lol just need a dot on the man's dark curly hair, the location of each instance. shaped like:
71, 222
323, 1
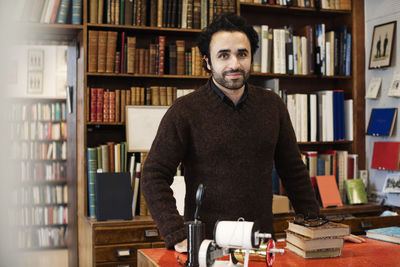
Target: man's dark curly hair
226, 22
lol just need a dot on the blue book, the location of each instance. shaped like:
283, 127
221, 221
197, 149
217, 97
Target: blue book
77, 12
381, 121
348, 55
63, 12
389, 234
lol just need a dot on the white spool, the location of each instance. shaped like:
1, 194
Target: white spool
235, 234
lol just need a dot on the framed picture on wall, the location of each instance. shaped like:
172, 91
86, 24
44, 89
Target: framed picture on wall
382, 45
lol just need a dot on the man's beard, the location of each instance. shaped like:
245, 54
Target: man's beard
231, 84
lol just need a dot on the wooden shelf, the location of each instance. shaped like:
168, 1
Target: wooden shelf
49, 32
297, 76
44, 182
126, 75
141, 28
293, 10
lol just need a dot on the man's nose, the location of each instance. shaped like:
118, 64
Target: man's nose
234, 64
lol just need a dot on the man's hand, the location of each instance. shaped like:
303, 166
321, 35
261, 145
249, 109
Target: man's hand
354, 239
181, 246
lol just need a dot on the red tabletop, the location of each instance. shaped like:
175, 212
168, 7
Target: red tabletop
370, 253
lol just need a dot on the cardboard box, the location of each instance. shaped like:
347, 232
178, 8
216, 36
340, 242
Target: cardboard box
280, 204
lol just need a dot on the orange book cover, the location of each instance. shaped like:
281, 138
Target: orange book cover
328, 191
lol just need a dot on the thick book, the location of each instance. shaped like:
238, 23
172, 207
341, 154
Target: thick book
309, 244
321, 253
328, 191
113, 196
355, 191
382, 121
386, 156
329, 229
389, 234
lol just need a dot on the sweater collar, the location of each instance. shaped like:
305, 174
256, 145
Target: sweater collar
226, 99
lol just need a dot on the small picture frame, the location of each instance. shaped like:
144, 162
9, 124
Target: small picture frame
35, 82
394, 89
35, 60
373, 88
392, 183
382, 45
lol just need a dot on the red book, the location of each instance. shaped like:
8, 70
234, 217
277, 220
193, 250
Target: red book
112, 107
386, 155
100, 101
93, 104
106, 106
54, 11
161, 54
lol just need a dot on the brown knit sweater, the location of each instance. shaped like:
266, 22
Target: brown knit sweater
231, 152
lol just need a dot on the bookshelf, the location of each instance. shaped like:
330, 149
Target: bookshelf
49, 36
38, 132
95, 133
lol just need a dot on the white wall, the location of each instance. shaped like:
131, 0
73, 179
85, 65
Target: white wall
54, 71
379, 12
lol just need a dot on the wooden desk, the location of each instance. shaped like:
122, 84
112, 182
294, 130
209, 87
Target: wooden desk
370, 253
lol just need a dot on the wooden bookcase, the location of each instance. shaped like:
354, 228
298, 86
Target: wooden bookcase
93, 244
69, 35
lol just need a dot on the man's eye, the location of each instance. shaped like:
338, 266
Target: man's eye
242, 54
223, 56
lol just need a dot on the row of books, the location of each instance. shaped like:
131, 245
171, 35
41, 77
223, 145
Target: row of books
38, 130
41, 171
44, 194
54, 150
109, 105
306, 50
186, 14
50, 11
325, 4
36, 216
339, 164
43, 237
323, 116
38, 111
114, 52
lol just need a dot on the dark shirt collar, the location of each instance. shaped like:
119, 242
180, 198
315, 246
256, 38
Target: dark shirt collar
226, 99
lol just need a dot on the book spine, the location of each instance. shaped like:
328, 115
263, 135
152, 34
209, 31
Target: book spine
93, 51
93, 104
77, 12
92, 169
63, 12
180, 57
161, 54
100, 102
112, 106
102, 52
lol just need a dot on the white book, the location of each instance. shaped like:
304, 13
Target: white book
313, 118
348, 116
44, 9
329, 116
373, 88
328, 59
304, 117
277, 51
298, 106
257, 55
49, 10
291, 106
282, 44
264, 48
394, 89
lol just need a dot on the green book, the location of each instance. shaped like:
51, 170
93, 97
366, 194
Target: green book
355, 190
91, 180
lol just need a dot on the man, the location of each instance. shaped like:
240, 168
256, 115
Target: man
227, 134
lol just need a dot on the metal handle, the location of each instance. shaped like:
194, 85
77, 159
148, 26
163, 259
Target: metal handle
125, 265
364, 225
123, 252
69, 98
151, 233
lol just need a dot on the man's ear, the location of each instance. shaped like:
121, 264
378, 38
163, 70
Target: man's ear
207, 62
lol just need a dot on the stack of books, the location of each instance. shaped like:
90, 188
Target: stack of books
324, 241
